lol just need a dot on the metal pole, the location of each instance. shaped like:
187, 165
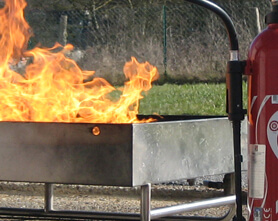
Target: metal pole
63, 30
237, 165
172, 210
165, 40
236, 114
146, 202
259, 29
48, 197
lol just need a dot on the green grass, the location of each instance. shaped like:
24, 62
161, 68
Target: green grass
192, 99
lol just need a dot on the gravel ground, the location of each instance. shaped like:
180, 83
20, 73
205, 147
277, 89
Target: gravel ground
112, 199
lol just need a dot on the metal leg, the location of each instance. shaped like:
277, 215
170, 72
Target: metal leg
48, 197
229, 184
146, 202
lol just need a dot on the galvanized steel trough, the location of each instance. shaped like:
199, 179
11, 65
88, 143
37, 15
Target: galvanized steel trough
119, 154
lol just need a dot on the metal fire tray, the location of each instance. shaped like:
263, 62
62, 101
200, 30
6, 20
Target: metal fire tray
120, 155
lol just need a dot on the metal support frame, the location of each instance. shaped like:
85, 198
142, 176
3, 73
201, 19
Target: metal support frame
146, 213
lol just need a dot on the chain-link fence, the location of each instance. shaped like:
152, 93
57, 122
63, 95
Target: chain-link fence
185, 41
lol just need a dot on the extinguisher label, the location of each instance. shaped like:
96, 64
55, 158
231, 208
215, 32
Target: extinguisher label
272, 133
257, 171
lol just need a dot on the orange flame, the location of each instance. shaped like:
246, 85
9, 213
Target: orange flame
53, 87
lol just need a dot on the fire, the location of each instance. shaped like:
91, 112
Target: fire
53, 87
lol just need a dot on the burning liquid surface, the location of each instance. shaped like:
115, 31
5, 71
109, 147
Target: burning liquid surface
53, 87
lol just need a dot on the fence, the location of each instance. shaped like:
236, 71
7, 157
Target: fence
185, 41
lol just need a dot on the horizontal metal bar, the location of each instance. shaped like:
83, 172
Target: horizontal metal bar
156, 213
172, 210
23, 212
66, 214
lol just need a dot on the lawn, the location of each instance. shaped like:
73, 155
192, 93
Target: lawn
192, 99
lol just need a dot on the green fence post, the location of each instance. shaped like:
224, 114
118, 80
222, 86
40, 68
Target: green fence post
165, 41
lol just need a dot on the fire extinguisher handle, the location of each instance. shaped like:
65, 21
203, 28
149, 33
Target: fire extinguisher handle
234, 106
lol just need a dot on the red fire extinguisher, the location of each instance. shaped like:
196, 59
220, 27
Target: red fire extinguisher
262, 71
